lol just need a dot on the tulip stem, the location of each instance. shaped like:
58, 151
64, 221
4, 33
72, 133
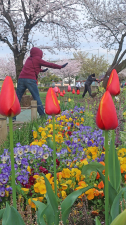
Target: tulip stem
12, 163
54, 156
113, 153
113, 158
106, 180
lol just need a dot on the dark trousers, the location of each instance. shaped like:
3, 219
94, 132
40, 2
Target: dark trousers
87, 88
31, 85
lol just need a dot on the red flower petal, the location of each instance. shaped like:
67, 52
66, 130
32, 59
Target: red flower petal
9, 103
51, 103
78, 92
73, 92
106, 118
113, 85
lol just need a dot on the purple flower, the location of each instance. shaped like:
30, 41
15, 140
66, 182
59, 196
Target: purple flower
2, 191
89, 143
4, 178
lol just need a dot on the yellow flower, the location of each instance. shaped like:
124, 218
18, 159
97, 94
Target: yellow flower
90, 194
69, 100
66, 173
6, 193
31, 203
64, 186
36, 187
82, 119
63, 193
29, 169
26, 190
40, 129
35, 134
59, 101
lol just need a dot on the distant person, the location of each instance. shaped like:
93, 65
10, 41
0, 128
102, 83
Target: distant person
29, 76
88, 83
78, 85
53, 84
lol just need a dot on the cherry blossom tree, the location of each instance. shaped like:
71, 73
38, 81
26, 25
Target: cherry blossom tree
7, 67
106, 21
70, 71
21, 19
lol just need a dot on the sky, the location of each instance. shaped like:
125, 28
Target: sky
91, 47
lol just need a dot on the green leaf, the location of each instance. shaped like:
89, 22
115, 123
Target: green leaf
112, 191
1, 213
97, 222
49, 142
117, 168
40, 206
11, 216
50, 217
120, 219
69, 201
92, 166
52, 200
115, 206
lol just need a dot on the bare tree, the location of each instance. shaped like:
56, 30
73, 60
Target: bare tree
106, 20
20, 19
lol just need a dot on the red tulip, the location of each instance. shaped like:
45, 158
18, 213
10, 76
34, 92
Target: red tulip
55, 89
57, 94
69, 88
64, 92
106, 118
51, 103
78, 92
113, 85
61, 94
9, 103
58, 90
73, 92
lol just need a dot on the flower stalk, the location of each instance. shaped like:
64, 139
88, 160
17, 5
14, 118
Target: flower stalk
106, 180
12, 163
54, 155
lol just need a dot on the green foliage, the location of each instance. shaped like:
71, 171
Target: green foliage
120, 219
47, 80
93, 166
116, 166
93, 64
11, 216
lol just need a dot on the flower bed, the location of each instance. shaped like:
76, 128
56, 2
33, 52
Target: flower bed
76, 144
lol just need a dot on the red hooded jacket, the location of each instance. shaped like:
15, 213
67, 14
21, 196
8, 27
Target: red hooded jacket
33, 64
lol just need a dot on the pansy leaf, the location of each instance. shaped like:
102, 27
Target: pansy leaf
92, 166
11, 216
69, 201
120, 219
115, 206
49, 142
114, 166
112, 191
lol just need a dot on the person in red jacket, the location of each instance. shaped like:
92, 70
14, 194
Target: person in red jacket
29, 75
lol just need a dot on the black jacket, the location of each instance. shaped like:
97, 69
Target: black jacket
90, 79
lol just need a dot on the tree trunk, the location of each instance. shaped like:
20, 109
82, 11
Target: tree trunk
118, 68
18, 64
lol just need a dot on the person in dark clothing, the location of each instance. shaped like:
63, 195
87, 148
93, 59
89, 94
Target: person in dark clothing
88, 83
29, 76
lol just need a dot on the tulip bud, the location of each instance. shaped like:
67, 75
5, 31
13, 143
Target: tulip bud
51, 103
9, 103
